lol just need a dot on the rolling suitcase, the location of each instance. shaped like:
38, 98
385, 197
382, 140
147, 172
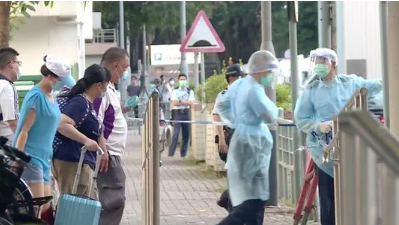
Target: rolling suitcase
75, 209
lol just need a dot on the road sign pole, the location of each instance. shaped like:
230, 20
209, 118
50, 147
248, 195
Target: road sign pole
183, 62
196, 74
203, 78
267, 44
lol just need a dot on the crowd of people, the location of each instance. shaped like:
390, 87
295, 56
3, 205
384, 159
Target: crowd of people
53, 128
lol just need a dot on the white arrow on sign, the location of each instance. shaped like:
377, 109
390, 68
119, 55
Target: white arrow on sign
202, 37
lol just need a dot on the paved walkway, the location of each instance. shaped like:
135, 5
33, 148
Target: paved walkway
188, 195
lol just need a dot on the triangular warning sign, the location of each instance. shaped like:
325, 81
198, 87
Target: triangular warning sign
202, 37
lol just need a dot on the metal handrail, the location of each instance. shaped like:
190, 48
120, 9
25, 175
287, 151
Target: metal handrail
370, 179
359, 101
104, 36
150, 163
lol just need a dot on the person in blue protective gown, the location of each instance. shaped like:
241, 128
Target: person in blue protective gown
246, 108
320, 101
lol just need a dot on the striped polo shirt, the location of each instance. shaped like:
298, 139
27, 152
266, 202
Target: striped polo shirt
115, 127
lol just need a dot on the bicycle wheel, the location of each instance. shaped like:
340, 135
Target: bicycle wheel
22, 194
21, 219
4, 221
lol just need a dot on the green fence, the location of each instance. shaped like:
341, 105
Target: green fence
26, 82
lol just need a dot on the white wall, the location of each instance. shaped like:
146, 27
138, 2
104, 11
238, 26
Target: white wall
41, 36
92, 59
362, 35
60, 8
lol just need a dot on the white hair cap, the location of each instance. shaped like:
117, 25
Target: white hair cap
261, 61
58, 66
325, 53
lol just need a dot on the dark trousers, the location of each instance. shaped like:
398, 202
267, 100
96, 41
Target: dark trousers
136, 111
225, 202
250, 212
326, 196
185, 127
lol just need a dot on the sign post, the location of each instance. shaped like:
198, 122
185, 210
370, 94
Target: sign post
202, 38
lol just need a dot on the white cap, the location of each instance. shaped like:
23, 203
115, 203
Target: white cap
58, 66
325, 53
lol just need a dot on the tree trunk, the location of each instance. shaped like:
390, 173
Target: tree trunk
4, 23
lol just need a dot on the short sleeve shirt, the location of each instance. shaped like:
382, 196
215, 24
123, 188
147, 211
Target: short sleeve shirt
9, 106
214, 111
133, 90
183, 94
85, 117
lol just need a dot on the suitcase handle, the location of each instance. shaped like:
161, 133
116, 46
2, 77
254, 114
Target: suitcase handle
100, 152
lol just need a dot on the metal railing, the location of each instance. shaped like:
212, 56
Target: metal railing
104, 36
369, 166
358, 101
150, 158
290, 164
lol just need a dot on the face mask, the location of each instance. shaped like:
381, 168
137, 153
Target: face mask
54, 83
172, 83
125, 75
102, 94
152, 86
322, 70
19, 72
182, 83
267, 80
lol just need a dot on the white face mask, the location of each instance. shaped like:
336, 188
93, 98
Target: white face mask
172, 83
19, 72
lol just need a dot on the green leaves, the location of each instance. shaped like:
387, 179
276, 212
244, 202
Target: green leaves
19, 10
213, 86
283, 96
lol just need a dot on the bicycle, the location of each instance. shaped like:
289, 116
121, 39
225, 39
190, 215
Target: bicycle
309, 188
165, 135
16, 201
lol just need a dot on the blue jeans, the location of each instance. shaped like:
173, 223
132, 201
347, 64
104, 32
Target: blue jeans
326, 195
185, 127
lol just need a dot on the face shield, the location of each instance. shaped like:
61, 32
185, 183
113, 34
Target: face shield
319, 66
320, 62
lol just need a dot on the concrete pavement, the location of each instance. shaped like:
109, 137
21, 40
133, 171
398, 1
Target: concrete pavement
188, 195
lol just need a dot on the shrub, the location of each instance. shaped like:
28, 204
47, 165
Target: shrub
283, 96
214, 84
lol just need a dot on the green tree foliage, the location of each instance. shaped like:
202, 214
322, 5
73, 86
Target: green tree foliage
160, 17
283, 96
237, 23
12, 14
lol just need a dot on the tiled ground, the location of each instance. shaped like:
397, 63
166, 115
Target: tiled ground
188, 195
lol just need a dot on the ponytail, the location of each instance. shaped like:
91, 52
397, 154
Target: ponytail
79, 88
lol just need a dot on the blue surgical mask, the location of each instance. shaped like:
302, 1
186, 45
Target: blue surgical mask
267, 80
125, 75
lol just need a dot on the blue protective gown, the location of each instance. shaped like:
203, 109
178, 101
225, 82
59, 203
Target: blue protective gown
243, 108
320, 101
